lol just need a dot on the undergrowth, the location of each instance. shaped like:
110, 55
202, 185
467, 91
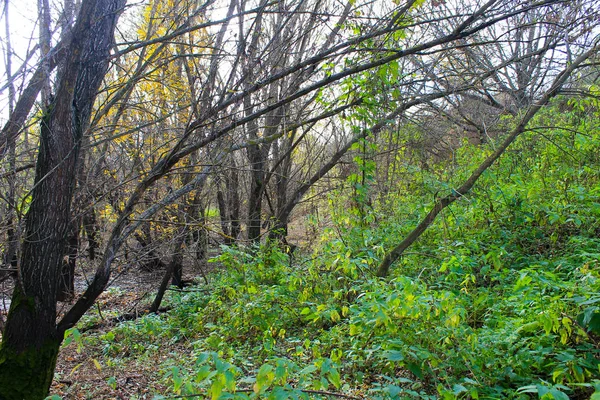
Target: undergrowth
498, 300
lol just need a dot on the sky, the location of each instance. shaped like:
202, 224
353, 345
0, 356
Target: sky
23, 36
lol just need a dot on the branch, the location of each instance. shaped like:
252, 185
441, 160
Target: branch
444, 202
17, 118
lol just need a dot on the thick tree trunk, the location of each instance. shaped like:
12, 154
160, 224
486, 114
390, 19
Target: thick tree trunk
30, 342
31, 338
28, 356
9, 260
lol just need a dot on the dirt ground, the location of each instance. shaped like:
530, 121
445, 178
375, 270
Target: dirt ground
81, 373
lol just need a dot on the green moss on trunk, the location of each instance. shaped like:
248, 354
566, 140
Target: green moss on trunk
27, 375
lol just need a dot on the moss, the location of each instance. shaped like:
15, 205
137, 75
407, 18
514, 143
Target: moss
20, 300
27, 375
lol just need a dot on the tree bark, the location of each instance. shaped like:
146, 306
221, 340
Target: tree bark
12, 237
31, 339
175, 263
66, 284
91, 232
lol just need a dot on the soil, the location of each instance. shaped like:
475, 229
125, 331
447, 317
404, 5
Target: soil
81, 370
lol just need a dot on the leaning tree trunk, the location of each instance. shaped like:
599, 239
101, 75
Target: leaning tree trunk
384, 268
31, 339
171, 270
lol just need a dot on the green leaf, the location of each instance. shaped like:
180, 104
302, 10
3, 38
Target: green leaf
280, 393
280, 371
112, 382
458, 389
415, 369
217, 387
305, 311
542, 390
308, 370
590, 319
558, 395
264, 378
202, 373
393, 391
334, 378
393, 355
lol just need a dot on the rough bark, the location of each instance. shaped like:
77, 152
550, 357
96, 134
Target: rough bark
9, 259
31, 339
91, 231
66, 284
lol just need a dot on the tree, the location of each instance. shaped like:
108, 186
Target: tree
442, 203
31, 338
185, 102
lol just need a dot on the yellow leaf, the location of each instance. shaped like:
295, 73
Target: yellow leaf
75, 368
97, 364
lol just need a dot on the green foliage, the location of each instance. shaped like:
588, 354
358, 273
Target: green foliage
498, 299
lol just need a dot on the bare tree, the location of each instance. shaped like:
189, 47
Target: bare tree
186, 100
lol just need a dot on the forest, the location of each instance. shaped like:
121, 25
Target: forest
300, 199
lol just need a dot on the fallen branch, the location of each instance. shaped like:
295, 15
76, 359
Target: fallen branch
121, 318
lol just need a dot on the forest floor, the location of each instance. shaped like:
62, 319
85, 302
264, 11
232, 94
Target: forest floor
81, 372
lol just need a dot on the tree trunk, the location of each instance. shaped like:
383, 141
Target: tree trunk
176, 263
66, 288
200, 234
384, 268
150, 260
229, 204
31, 339
234, 203
91, 230
223, 216
9, 260
29, 350
257, 175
